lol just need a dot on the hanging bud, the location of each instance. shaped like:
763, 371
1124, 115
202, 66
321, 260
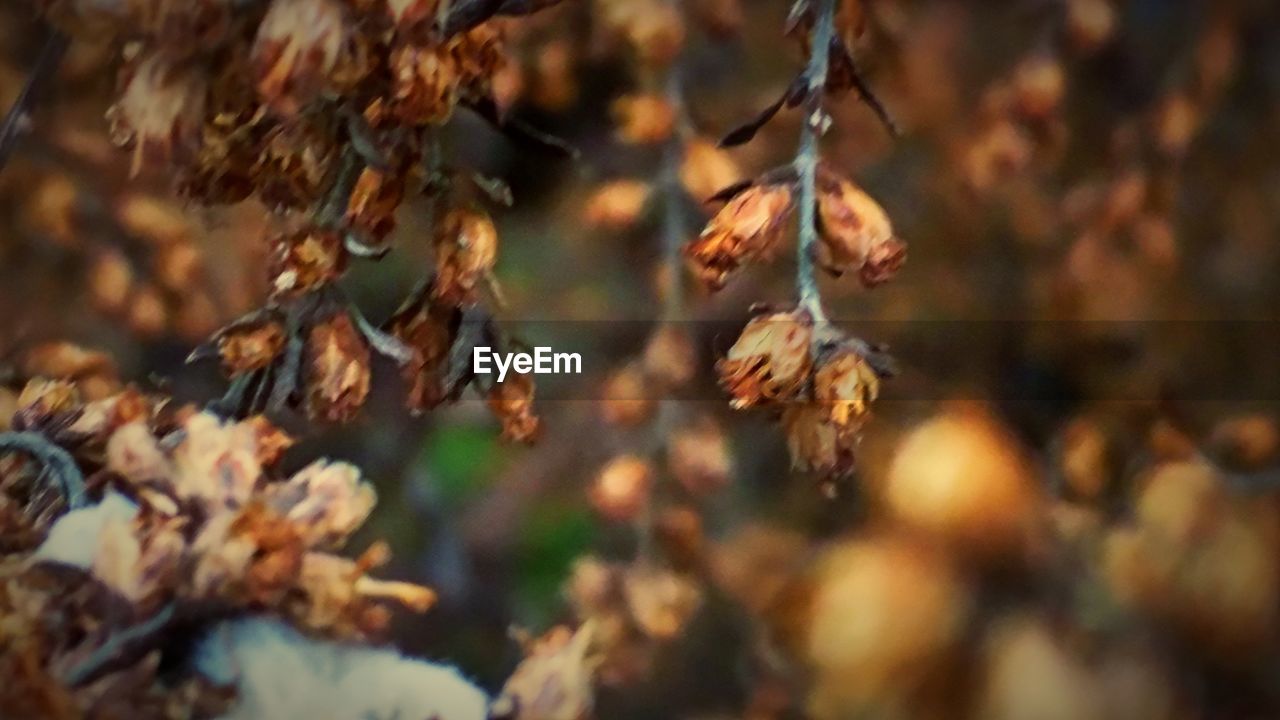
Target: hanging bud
770, 360
429, 329
337, 370
625, 398
815, 443
512, 402
670, 357
466, 250
249, 348
846, 385
554, 680
707, 169
644, 119
160, 112
745, 230
425, 88
371, 211
621, 489
698, 457
304, 260
301, 49
661, 602
855, 232
478, 55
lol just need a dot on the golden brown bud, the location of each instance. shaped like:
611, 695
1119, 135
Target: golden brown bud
302, 46
644, 119
427, 327
815, 442
617, 205
707, 169
373, 204
250, 348
698, 457
466, 250
337, 371
854, 229
670, 358
625, 397
621, 489
846, 385
304, 260
661, 601
745, 230
1090, 23
770, 360
160, 112
1039, 85
426, 84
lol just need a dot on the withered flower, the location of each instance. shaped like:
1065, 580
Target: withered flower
429, 328
426, 82
337, 372
617, 205
216, 463
251, 347
478, 56
466, 250
304, 260
512, 402
846, 384
372, 208
327, 501
160, 112
301, 47
815, 442
644, 119
293, 165
747, 229
883, 263
770, 360
854, 229
252, 556
625, 397
661, 601
1039, 84
621, 489
336, 595
670, 357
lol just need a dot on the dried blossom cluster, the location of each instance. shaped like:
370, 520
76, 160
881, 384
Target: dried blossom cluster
123, 515
328, 112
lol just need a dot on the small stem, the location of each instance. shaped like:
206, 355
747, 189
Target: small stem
806, 162
53, 458
117, 645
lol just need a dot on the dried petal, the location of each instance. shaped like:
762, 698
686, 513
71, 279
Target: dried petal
338, 371
745, 230
770, 360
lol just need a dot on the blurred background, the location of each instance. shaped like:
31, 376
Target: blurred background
1066, 503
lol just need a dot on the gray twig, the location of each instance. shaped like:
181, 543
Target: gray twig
806, 162
18, 119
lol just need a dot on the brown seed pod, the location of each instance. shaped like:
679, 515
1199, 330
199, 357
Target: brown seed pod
846, 385
466, 250
426, 81
302, 48
770, 361
429, 328
661, 601
512, 402
371, 211
617, 205
815, 442
337, 372
160, 111
747, 229
249, 348
1039, 85
698, 457
625, 397
670, 358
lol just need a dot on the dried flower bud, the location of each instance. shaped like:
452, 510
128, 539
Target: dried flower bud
621, 489
770, 360
670, 358
883, 263
426, 84
292, 168
661, 602
707, 169
816, 443
337, 370
478, 55
304, 260
698, 457
429, 329
625, 397
999, 152
216, 463
644, 119
466, 250
1090, 23
617, 205
160, 112
846, 385
512, 402
747, 229
554, 680
853, 227
249, 348
301, 47
371, 211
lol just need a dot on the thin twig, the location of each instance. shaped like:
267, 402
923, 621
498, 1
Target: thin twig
117, 644
18, 119
53, 458
806, 162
